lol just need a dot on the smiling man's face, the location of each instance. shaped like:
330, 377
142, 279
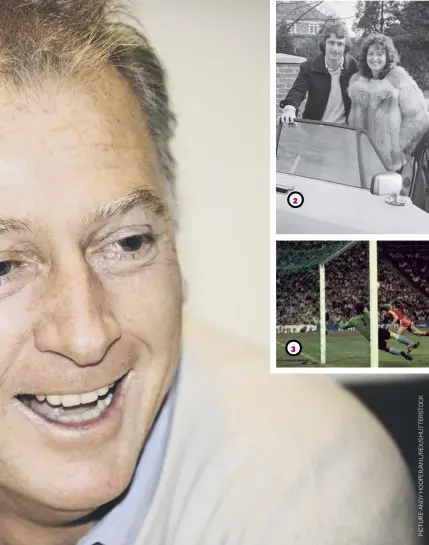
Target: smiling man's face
90, 296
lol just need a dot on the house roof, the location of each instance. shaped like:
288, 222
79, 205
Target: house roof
294, 9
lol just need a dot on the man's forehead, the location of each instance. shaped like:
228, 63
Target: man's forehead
333, 36
81, 147
104, 110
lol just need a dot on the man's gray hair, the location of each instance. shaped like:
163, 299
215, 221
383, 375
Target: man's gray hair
72, 39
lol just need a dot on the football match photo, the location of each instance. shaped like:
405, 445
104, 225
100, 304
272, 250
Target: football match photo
352, 304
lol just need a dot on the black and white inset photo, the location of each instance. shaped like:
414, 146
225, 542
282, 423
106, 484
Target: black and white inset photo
352, 118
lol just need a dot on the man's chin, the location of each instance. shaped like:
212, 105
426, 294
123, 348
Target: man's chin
68, 499
86, 495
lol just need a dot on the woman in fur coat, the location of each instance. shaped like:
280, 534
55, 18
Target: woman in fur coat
387, 102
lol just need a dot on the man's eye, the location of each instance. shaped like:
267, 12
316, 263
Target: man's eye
134, 247
5, 267
11, 271
133, 243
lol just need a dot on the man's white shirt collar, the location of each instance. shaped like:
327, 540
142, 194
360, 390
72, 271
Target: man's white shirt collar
330, 70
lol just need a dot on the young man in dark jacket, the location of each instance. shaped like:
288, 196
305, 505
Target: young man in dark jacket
324, 80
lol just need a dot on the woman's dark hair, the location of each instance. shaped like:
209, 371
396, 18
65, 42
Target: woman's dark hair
382, 42
340, 31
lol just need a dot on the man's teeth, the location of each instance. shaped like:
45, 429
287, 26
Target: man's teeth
90, 414
74, 400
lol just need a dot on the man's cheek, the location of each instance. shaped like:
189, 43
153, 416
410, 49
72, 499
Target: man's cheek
153, 301
16, 329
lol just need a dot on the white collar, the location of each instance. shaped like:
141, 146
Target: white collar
334, 71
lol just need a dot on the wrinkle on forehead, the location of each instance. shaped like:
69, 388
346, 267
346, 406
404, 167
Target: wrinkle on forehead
93, 137
68, 121
104, 113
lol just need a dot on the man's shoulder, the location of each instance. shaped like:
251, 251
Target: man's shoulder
305, 66
275, 406
304, 441
317, 63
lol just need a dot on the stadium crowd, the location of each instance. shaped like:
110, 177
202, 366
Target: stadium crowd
414, 266
347, 282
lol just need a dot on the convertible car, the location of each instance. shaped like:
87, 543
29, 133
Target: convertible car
345, 183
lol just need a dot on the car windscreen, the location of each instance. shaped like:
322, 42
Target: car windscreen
323, 152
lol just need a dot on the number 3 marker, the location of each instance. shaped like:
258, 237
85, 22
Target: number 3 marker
293, 348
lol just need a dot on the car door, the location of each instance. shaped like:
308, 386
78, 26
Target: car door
333, 171
419, 184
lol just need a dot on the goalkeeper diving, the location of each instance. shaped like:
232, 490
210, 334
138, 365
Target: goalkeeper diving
361, 322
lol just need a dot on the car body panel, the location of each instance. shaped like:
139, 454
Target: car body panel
331, 208
336, 208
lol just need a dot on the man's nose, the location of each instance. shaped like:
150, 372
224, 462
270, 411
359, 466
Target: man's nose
75, 320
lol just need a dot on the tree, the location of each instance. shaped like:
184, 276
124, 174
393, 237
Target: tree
284, 42
377, 16
360, 8
296, 14
370, 20
412, 41
414, 27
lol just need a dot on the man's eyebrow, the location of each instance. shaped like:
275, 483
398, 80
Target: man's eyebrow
139, 198
19, 226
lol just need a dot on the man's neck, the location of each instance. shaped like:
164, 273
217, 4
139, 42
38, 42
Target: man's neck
334, 65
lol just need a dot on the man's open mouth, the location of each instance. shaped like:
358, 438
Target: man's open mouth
72, 409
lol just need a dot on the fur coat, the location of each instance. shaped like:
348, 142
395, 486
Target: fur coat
394, 112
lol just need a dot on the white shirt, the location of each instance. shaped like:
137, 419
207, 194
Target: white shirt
335, 111
121, 526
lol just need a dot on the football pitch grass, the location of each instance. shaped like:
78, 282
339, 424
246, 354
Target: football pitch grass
347, 349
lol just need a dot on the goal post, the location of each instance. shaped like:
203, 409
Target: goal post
322, 292
373, 301
322, 296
